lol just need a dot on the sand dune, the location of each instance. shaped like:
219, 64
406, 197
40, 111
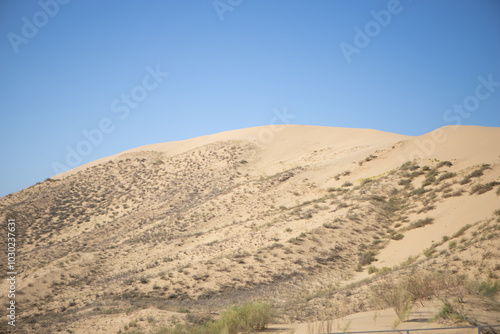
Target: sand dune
282, 213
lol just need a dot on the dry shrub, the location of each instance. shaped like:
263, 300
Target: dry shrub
367, 258
421, 222
482, 188
454, 311
416, 288
396, 296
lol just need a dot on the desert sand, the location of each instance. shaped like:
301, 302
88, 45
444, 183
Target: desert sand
161, 233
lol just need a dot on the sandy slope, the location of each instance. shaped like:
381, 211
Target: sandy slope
465, 146
247, 215
450, 217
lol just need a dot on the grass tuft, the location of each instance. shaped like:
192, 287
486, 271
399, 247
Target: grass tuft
246, 318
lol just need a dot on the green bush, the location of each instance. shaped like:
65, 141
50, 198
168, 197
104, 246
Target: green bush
247, 318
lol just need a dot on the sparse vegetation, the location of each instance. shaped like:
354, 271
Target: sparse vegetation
224, 238
428, 252
396, 296
465, 180
485, 289
330, 226
482, 188
416, 287
365, 181
247, 318
419, 191
398, 236
447, 175
461, 231
421, 222
367, 258
409, 165
478, 172
453, 311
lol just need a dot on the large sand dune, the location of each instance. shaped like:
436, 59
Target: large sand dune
288, 214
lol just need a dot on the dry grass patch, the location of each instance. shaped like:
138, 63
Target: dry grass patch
482, 188
421, 223
246, 318
417, 287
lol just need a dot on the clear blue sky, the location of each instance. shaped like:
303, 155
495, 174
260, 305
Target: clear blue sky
70, 66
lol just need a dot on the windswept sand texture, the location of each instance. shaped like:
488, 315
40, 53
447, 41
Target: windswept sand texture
178, 231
